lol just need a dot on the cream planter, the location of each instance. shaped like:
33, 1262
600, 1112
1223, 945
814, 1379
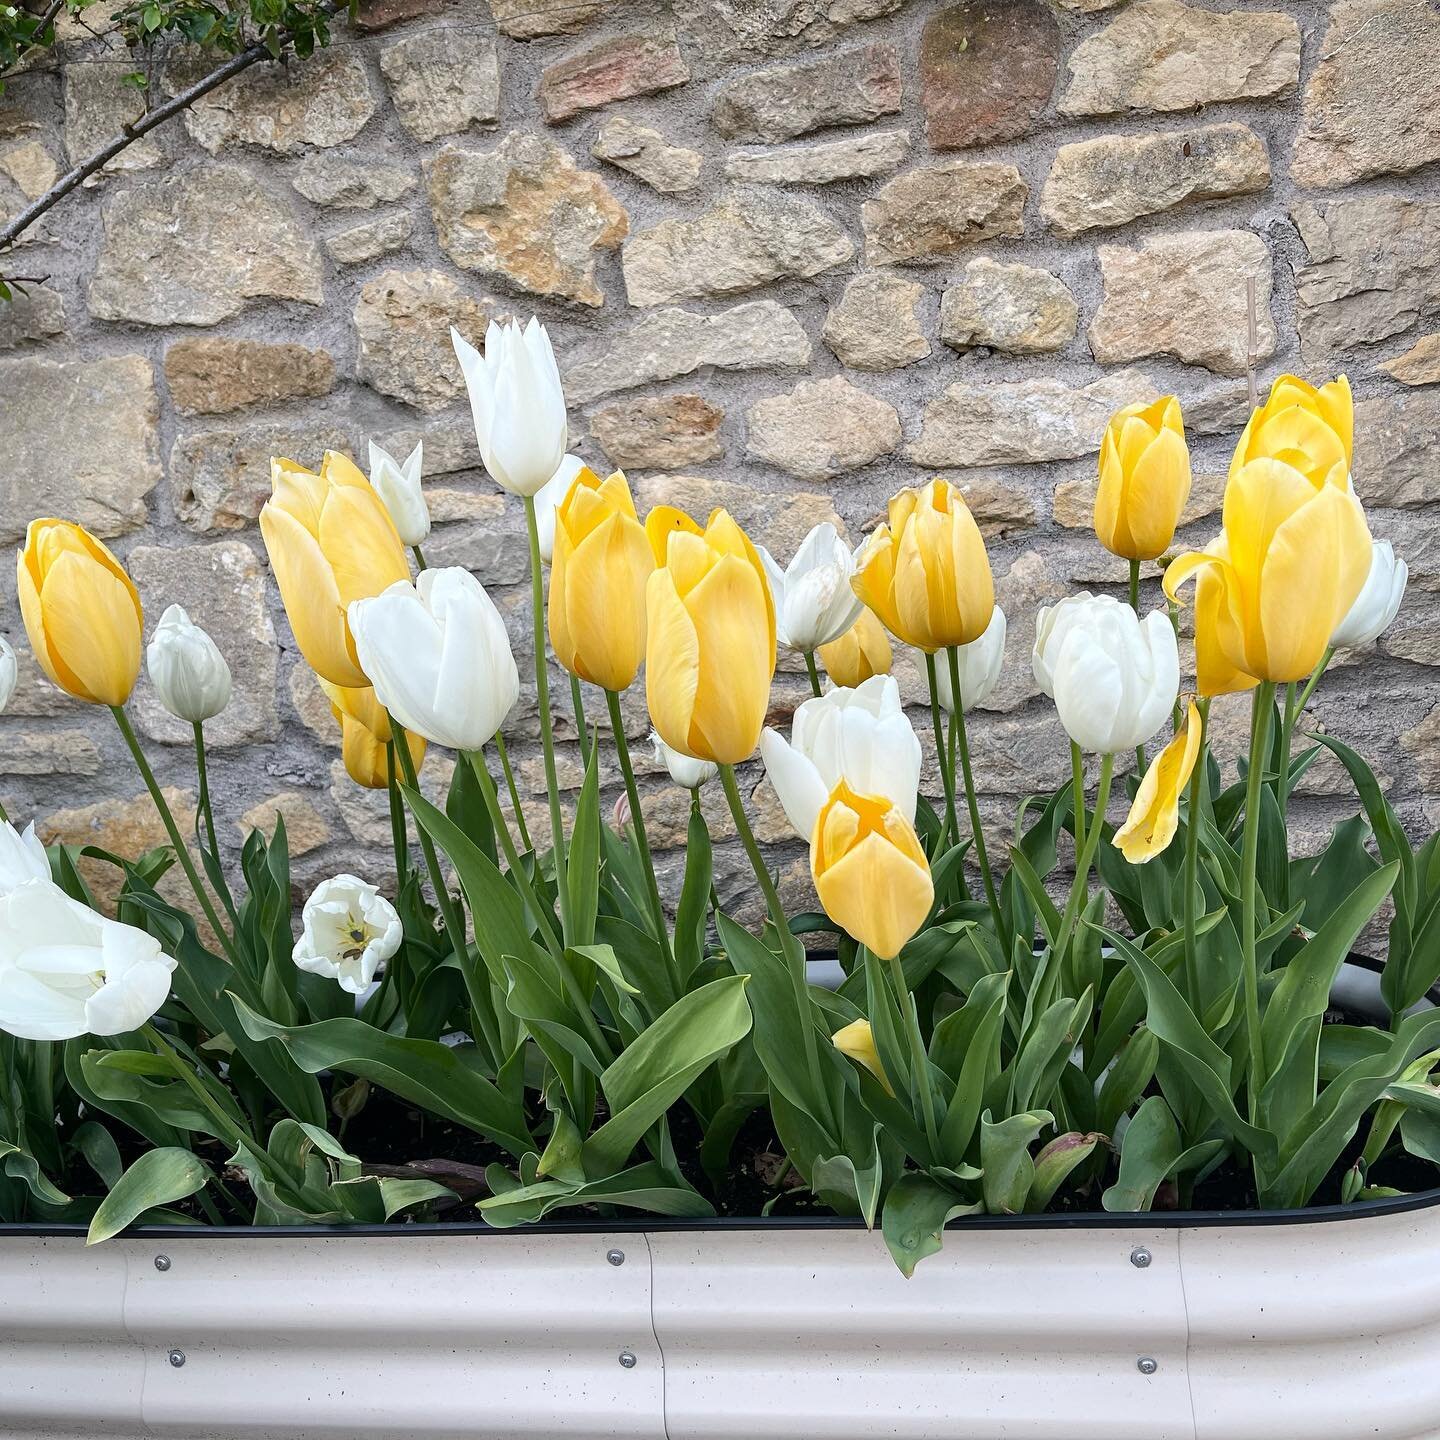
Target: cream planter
1321, 1324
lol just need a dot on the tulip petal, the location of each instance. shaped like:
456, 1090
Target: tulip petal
729, 608
877, 894
796, 781
91, 620
1155, 814
604, 599
662, 522
672, 662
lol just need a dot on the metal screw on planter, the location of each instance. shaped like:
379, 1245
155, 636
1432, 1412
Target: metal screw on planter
627, 1359
1146, 1366
162, 1263
616, 1257
177, 1358
1140, 1257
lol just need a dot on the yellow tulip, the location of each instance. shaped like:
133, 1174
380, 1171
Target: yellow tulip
860, 653
601, 563
925, 572
710, 644
1155, 815
1312, 430
81, 612
1144, 480
869, 870
364, 734
1293, 555
330, 540
857, 1040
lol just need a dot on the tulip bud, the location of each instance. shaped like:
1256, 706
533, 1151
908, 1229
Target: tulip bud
9, 673
187, 669
67, 971
347, 928
331, 541
399, 487
1144, 480
22, 857
1292, 559
869, 870
710, 641
1311, 429
517, 404
81, 612
365, 734
862, 651
598, 575
980, 663
925, 572
1377, 603
439, 657
684, 770
814, 603
1155, 814
620, 813
1114, 676
857, 1040
860, 736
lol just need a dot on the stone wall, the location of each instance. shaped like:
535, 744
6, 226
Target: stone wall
794, 254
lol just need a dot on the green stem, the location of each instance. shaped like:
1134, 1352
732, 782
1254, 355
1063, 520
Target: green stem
1077, 795
947, 773
207, 815
521, 827
972, 800
4, 818
642, 840
547, 729
577, 705
1192, 852
813, 673
232, 1131
182, 854
419, 557
1294, 709
1261, 708
919, 1060
793, 951
1080, 886
397, 816
1134, 598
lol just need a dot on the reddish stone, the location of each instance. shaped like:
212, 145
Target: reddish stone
613, 70
987, 70
374, 15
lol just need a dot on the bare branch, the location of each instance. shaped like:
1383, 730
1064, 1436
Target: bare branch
1253, 353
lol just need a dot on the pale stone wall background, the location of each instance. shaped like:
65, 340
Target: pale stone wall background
793, 254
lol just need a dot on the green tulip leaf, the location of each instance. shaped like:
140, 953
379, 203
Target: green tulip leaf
917, 1210
1009, 1169
1054, 1164
158, 1177
648, 1187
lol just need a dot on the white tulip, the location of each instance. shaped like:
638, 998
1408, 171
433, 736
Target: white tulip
66, 970
1378, 601
347, 929
980, 664
1052, 624
9, 672
814, 603
399, 487
547, 502
684, 769
1115, 676
861, 736
438, 656
22, 857
517, 403
187, 669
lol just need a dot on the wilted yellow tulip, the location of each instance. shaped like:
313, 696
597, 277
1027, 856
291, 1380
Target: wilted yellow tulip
1292, 557
81, 612
710, 644
364, 735
1144, 480
869, 870
857, 1040
1312, 430
602, 560
860, 653
1155, 815
330, 540
925, 572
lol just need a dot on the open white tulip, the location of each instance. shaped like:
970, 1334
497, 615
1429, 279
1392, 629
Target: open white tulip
399, 487
66, 970
1115, 676
517, 403
22, 857
438, 656
548, 499
980, 665
684, 769
187, 669
9, 672
814, 603
347, 928
861, 736
1377, 604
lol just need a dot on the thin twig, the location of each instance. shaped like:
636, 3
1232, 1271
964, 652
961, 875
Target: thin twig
47, 19
1253, 353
